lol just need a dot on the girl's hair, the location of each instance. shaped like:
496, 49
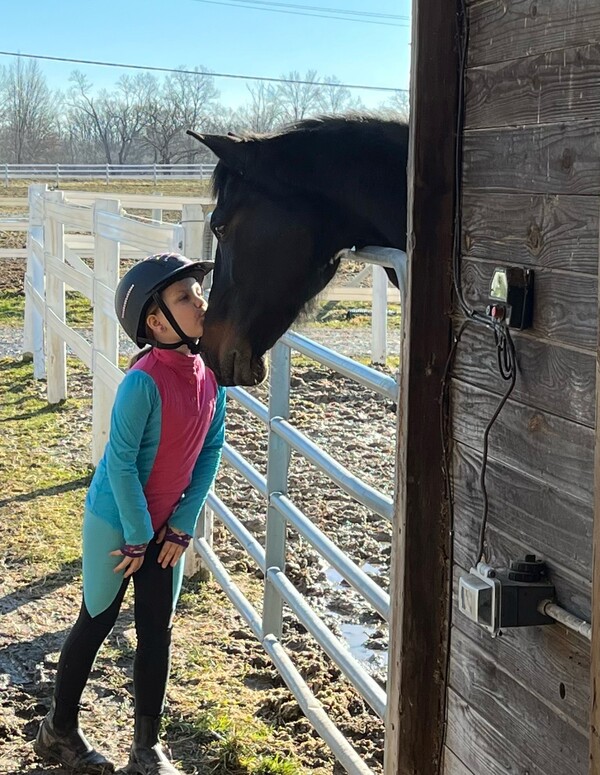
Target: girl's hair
152, 310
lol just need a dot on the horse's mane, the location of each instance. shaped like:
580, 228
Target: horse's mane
347, 125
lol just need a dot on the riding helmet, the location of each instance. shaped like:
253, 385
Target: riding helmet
143, 282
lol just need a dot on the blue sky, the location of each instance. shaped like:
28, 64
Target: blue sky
220, 37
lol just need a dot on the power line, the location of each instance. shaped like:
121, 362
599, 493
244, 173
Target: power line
197, 72
236, 4
322, 9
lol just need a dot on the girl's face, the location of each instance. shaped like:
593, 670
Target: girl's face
187, 305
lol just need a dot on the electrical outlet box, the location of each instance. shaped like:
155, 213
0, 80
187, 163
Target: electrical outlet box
511, 296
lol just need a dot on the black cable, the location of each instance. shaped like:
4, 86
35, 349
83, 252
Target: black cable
154, 69
318, 15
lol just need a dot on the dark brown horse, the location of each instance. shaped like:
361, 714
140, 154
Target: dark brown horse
287, 204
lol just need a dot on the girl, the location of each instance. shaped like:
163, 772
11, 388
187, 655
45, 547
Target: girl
164, 448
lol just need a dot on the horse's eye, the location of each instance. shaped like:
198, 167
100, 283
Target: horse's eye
219, 231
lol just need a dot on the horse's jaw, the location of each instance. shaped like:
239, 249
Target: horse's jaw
239, 368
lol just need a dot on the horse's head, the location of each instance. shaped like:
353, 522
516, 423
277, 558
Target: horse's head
287, 204
273, 257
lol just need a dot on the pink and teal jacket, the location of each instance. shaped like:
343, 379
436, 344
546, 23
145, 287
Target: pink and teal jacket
166, 436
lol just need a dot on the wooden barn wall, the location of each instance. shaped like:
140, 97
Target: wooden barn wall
531, 196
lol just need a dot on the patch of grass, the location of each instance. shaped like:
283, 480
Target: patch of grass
166, 187
12, 305
42, 497
12, 308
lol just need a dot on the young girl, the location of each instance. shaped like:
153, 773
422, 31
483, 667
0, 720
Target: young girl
166, 436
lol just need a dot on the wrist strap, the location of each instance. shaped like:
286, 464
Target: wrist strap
134, 550
182, 539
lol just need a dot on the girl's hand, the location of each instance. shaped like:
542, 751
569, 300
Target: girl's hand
171, 551
128, 564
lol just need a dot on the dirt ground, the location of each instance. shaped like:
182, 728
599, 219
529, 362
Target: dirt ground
38, 607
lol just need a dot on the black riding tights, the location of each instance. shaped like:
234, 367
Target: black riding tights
153, 610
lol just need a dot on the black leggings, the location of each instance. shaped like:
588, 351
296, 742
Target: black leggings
153, 609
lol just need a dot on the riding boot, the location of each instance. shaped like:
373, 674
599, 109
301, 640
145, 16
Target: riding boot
69, 747
146, 756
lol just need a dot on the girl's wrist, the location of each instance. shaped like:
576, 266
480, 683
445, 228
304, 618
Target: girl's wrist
177, 537
134, 550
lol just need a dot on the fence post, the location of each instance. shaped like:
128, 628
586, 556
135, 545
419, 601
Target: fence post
6, 176
57, 175
33, 323
192, 220
56, 349
277, 475
107, 179
157, 213
106, 329
379, 317
208, 243
154, 172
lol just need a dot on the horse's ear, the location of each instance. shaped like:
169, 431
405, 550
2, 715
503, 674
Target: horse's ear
232, 151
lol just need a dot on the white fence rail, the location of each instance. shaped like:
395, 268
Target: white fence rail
51, 267
105, 172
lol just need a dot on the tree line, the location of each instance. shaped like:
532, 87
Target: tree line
142, 119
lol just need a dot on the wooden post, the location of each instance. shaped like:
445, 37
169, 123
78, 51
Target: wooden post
419, 572
56, 349
595, 647
106, 329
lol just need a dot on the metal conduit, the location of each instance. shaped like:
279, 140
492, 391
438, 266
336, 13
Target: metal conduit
358, 676
568, 620
311, 707
363, 583
352, 485
369, 378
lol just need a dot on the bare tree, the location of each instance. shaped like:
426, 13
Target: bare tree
263, 111
28, 113
398, 105
335, 98
299, 100
185, 101
95, 111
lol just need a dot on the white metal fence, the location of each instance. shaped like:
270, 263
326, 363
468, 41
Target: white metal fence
105, 172
54, 264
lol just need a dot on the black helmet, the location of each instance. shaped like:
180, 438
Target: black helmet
143, 284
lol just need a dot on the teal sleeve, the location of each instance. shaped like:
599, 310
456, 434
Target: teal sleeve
193, 499
136, 400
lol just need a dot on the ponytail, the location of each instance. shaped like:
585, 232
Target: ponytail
135, 358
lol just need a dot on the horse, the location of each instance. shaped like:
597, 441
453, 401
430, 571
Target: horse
288, 204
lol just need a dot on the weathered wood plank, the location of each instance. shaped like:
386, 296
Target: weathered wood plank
508, 29
564, 304
554, 86
558, 379
480, 746
540, 517
552, 159
419, 569
453, 765
595, 666
558, 232
517, 713
550, 660
555, 451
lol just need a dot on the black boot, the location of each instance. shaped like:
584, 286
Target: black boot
69, 748
147, 756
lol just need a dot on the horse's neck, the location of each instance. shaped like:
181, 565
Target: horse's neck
367, 186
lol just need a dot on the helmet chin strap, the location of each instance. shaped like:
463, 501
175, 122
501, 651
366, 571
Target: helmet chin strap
192, 344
